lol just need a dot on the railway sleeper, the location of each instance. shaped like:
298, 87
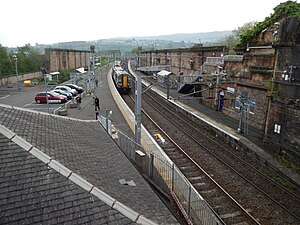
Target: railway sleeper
192, 174
234, 218
185, 169
208, 191
178, 157
215, 200
195, 179
182, 163
241, 223
199, 184
230, 215
173, 153
236, 221
169, 150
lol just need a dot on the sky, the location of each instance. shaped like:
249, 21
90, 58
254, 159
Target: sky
52, 21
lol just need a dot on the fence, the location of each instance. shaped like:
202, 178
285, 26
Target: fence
169, 179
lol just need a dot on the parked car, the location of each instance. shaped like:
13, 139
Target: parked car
76, 87
65, 93
53, 97
66, 88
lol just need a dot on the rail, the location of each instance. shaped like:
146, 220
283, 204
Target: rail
168, 178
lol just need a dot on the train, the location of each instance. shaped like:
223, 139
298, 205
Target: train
121, 78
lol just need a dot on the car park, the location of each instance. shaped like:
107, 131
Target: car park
65, 93
76, 87
41, 97
66, 88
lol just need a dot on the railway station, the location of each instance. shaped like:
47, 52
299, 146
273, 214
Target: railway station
112, 107
118, 165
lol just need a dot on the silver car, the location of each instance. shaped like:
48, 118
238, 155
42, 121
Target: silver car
66, 88
65, 93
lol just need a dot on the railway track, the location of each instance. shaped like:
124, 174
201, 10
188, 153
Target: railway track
207, 162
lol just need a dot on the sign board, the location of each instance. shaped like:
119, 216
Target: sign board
230, 90
251, 107
252, 104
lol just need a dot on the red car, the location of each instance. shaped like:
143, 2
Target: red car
53, 97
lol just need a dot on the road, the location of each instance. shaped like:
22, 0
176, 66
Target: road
25, 97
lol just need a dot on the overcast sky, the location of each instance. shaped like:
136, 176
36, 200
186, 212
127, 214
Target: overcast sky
52, 21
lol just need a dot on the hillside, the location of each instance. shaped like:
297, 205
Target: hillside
190, 37
148, 42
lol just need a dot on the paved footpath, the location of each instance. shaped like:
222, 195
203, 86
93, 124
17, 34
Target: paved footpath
87, 111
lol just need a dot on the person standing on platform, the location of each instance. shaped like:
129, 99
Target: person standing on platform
97, 104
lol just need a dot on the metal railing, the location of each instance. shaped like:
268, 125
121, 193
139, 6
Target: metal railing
64, 106
233, 58
214, 61
168, 177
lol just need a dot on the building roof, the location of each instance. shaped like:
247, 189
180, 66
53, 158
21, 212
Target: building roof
55, 169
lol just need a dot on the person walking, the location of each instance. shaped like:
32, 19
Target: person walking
78, 100
97, 104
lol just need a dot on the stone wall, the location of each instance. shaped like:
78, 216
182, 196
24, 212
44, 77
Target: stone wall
283, 128
13, 79
56, 59
257, 115
182, 61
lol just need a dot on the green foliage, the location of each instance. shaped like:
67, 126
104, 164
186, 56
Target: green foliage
28, 60
64, 75
283, 10
233, 39
6, 63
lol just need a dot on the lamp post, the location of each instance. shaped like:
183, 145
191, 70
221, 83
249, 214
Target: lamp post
92, 48
15, 58
44, 71
138, 106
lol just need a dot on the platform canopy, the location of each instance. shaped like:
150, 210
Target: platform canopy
80, 70
164, 73
55, 73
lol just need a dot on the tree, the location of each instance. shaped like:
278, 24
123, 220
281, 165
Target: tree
283, 10
232, 40
6, 64
28, 59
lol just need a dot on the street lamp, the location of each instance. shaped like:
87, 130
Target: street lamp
92, 48
15, 58
44, 71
